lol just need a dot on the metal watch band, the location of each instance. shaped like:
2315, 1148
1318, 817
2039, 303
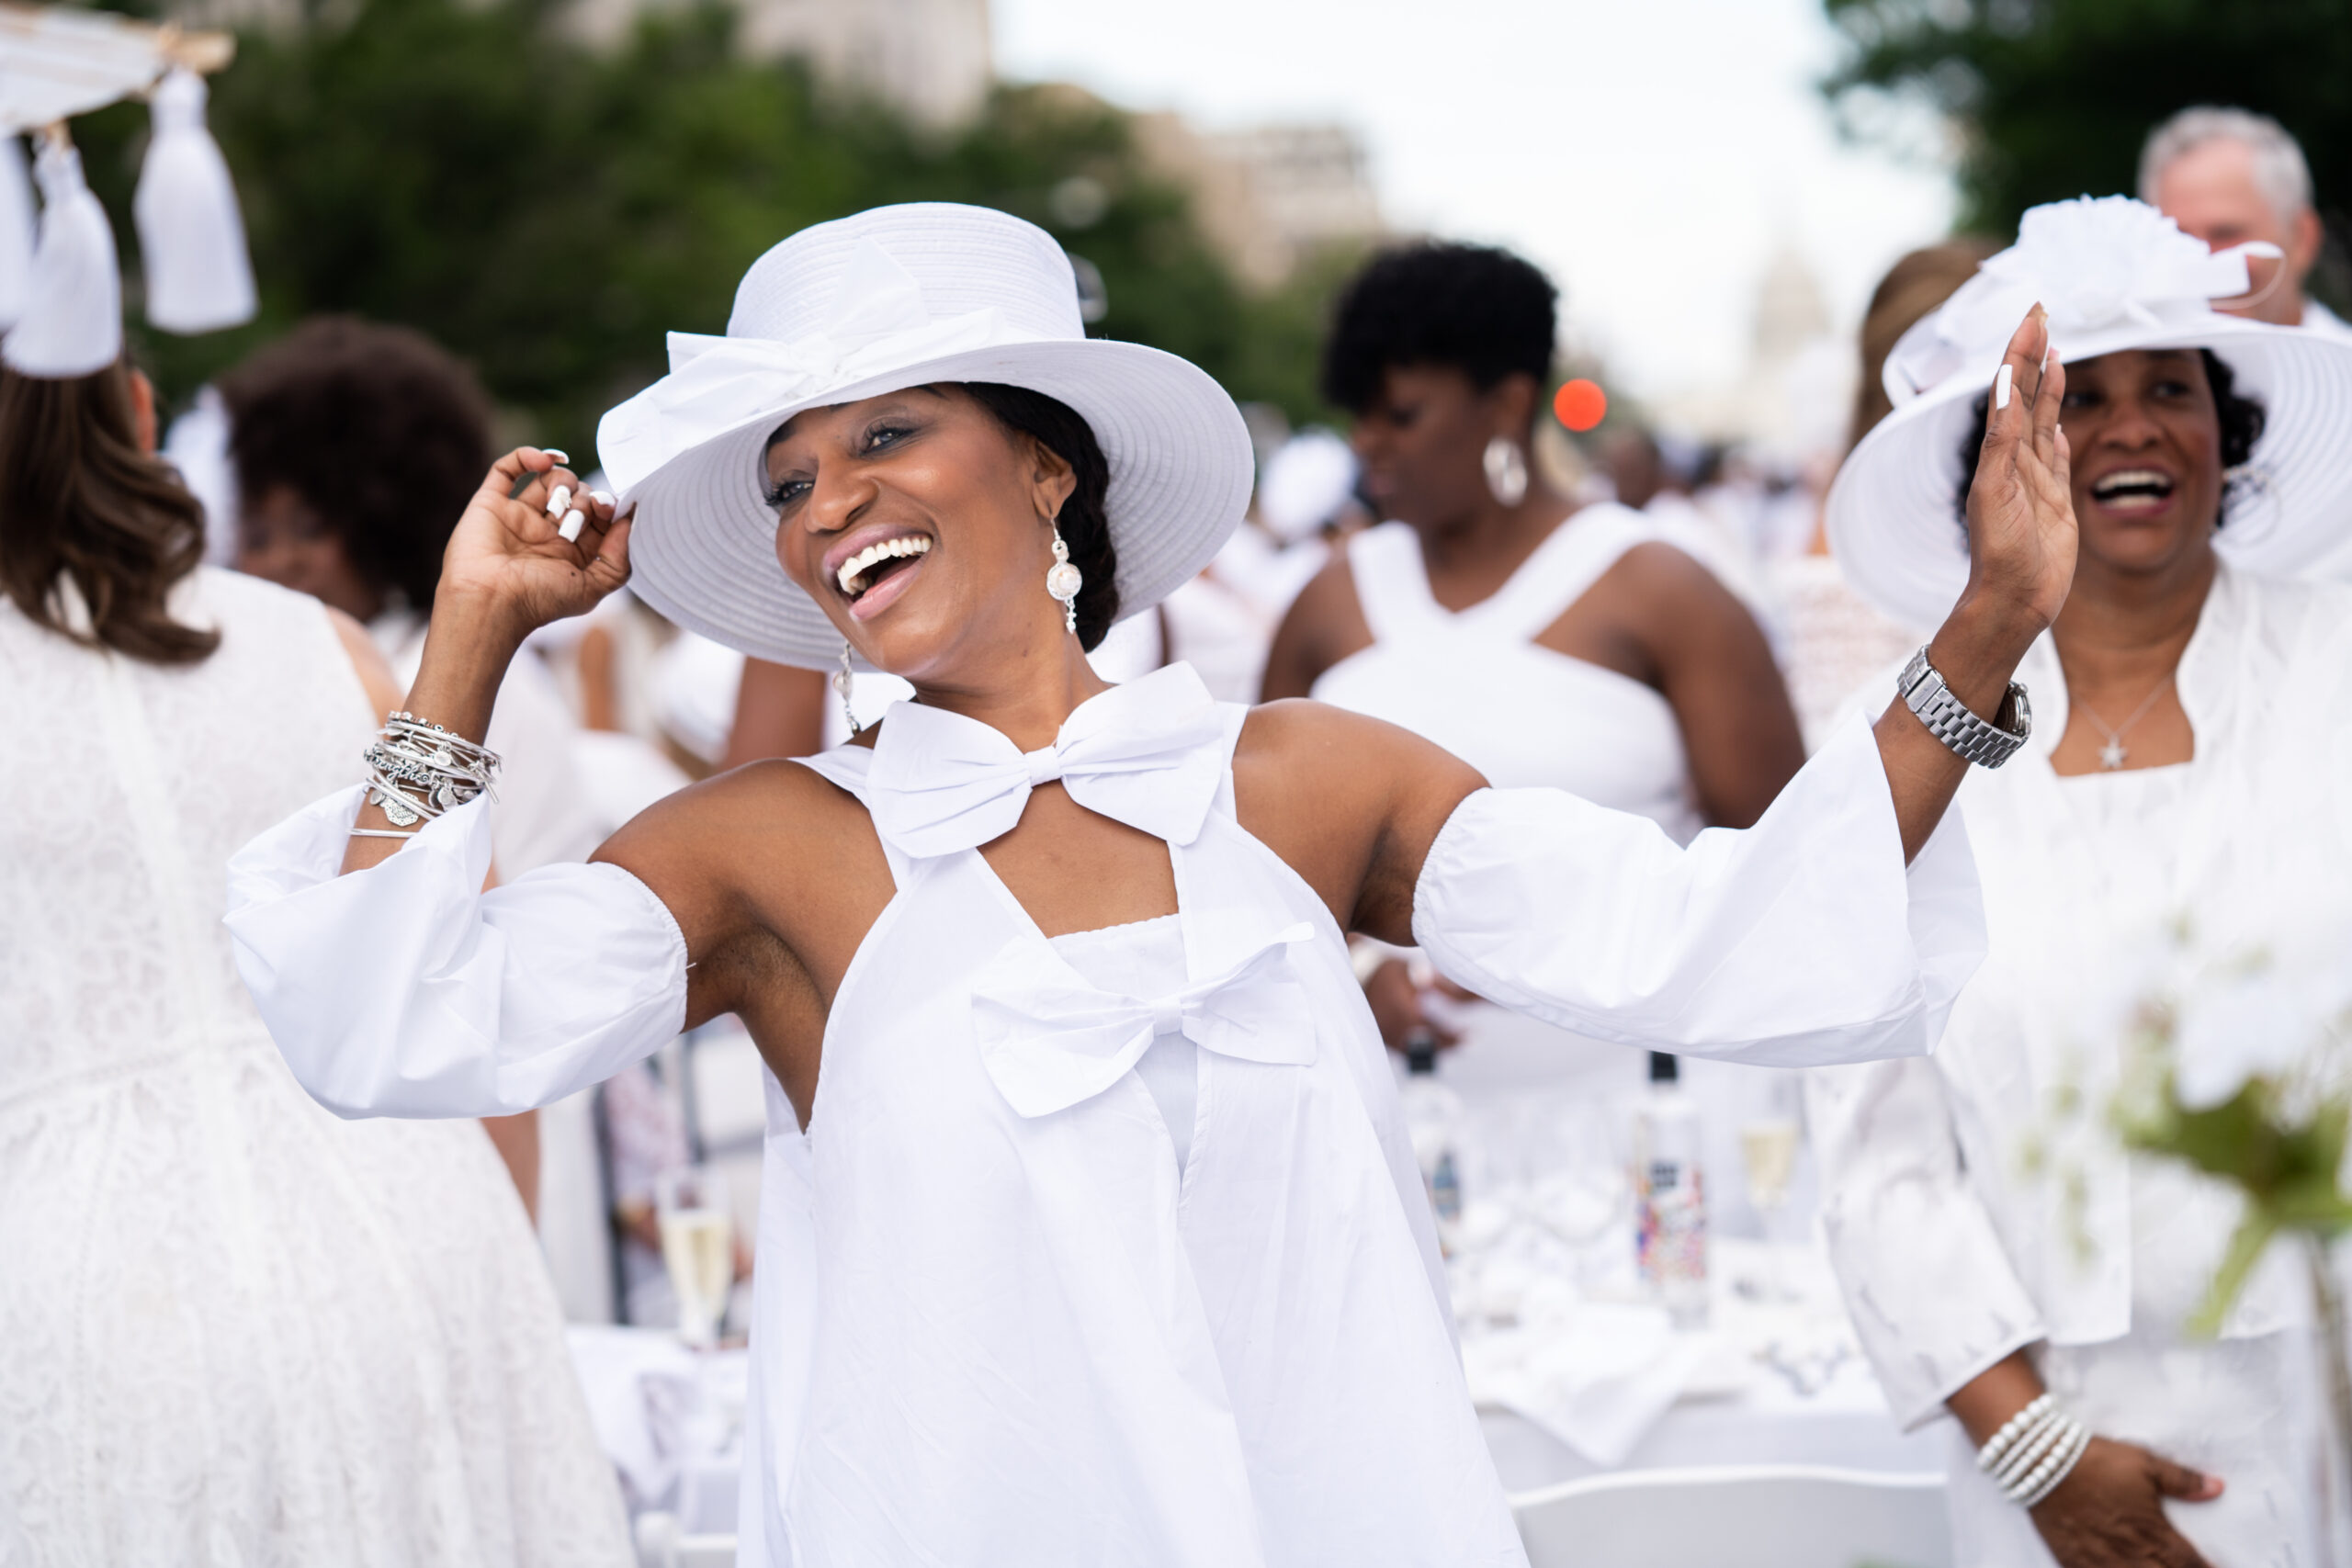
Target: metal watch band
1950, 721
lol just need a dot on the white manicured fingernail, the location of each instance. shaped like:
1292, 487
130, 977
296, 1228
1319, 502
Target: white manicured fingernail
2001, 386
569, 529
604, 497
558, 453
560, 500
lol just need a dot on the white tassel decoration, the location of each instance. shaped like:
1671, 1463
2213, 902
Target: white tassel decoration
71, 323
16, 223
199, 277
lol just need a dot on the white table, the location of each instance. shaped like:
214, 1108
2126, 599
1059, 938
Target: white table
672, 1420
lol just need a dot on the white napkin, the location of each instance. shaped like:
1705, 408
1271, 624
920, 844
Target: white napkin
1596, 1375
638, 1383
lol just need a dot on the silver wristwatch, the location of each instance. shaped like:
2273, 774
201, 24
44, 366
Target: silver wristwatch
1948, 720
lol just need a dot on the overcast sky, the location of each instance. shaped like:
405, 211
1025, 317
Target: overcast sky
1653, 155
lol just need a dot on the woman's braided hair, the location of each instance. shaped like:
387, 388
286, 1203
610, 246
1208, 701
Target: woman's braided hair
1085, 525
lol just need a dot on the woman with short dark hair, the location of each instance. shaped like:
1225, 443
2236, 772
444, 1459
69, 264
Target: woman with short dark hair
1542, 642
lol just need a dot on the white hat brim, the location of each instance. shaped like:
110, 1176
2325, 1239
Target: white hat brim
1892, 516
702, 544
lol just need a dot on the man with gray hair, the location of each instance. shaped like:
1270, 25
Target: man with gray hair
2229, 175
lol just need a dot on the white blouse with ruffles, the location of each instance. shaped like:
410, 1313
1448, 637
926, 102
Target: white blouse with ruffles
1003, 1316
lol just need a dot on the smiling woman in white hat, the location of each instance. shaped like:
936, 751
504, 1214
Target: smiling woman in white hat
2194, 728
1104, 1242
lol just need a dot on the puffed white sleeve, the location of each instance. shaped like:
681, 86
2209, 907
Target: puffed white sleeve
405, 990
1799, 941
1930, 1290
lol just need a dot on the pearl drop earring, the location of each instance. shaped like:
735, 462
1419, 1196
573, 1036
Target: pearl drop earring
842, 681
1063, 581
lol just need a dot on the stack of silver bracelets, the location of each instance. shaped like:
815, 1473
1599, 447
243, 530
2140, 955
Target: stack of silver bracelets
2033, 1452
417, 770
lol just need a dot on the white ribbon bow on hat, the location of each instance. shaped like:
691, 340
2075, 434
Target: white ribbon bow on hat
1144, 753
877, 323
2096, 265
1050, 1039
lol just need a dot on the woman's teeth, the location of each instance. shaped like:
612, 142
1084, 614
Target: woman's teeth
852, 570
2132, 482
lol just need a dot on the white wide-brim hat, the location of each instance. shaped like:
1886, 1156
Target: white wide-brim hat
894, 297
2114, 273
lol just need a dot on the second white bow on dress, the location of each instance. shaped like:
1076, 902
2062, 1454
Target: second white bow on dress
1050, 1039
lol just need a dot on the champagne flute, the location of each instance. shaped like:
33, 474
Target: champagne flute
1767, 1158
697, 1248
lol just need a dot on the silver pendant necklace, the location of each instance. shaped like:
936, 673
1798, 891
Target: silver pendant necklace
2111, 755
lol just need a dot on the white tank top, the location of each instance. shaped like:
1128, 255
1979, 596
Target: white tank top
1477, 683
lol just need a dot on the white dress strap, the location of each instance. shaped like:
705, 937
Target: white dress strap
845, 767
1569, 560
1392, 583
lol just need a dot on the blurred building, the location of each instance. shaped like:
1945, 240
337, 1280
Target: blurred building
1791, 398
929, 58
1271, 197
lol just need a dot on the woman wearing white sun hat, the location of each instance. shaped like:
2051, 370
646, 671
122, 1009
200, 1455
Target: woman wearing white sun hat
1104, 1246
2194, 722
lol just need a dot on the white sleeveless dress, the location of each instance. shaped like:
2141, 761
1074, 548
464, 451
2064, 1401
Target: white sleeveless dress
1475, 682
1005, 1313
234, 1330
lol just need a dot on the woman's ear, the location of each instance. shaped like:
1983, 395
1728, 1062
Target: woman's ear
1513, 400
143, 410
1051, 479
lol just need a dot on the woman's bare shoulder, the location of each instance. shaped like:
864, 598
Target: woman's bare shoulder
1314, 757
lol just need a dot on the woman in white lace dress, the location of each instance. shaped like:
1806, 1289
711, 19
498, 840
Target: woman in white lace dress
236, 1330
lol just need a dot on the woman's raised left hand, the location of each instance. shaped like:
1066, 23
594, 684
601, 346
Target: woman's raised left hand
2022, 532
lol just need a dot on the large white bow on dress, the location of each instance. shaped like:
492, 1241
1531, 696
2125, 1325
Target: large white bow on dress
1050, 1039
1144, 753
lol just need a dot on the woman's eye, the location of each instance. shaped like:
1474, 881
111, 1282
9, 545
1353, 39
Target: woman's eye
2172, 389
883, 436
2078, 400
784, 492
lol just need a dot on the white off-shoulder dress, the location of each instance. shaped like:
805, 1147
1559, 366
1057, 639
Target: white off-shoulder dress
999, 1319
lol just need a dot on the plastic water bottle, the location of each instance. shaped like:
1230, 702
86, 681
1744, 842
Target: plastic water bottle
1434, 1121
1670, 1193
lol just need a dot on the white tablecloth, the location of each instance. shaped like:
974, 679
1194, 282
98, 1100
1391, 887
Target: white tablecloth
671, 1420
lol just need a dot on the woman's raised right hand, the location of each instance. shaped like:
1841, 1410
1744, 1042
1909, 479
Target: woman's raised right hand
508, 560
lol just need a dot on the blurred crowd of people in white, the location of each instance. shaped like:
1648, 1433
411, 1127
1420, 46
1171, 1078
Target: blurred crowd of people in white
1655, 624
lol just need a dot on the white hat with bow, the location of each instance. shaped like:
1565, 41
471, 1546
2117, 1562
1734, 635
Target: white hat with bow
2114, 273
894, 297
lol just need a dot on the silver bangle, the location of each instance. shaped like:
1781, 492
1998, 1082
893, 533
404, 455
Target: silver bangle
1948, 719
385, 832
417, 771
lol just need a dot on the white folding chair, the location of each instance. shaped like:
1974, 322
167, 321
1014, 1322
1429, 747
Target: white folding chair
660, 1544
1738, 1516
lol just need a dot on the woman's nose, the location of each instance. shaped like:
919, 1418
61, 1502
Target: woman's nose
836, 498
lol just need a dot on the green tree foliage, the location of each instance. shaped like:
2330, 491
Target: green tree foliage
547, 212
2055, 97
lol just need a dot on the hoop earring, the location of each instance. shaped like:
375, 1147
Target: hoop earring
843, 680
1063, 581
1506, 467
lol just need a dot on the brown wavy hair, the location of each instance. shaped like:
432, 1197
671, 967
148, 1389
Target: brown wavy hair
81, 499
